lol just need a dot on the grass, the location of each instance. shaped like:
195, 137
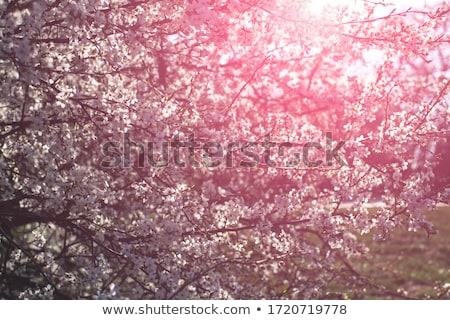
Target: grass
411, 264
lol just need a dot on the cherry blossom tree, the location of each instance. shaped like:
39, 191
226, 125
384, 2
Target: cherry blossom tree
284, 119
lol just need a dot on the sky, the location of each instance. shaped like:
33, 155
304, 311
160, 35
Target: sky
318, 5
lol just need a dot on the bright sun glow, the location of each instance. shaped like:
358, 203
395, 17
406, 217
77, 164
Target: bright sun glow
318, 6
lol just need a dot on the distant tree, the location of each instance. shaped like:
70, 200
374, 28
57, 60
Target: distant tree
89, 87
